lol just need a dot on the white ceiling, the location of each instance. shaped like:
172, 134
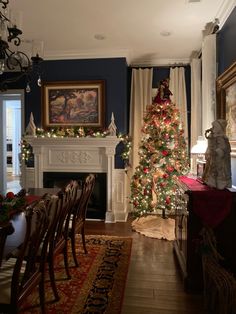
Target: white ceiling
131, 28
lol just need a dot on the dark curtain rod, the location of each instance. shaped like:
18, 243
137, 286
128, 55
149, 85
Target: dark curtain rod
160, 66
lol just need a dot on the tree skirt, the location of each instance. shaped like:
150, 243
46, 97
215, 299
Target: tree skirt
155, 227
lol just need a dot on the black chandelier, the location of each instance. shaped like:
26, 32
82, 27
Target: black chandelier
16, 61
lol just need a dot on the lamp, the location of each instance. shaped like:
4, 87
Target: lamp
11, 59
198, 152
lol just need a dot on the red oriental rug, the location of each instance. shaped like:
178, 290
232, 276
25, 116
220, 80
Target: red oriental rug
96, 286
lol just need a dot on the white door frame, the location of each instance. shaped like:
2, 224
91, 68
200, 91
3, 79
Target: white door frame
8, 95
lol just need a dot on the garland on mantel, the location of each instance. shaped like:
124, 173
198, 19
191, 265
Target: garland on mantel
71, 132
79, 132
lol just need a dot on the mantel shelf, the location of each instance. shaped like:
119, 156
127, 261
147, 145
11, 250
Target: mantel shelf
109, 141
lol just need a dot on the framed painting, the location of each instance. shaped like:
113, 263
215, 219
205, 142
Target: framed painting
71, 104
226, 102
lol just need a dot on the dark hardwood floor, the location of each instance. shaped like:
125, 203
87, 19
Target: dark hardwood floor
154, 284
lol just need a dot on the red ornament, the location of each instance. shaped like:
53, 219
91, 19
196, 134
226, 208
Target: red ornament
167, 200
164, 152
10, 195
170, 169
164, 115
145, 170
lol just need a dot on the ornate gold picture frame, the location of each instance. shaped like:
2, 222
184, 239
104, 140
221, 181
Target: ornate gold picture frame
70, 104
226, 102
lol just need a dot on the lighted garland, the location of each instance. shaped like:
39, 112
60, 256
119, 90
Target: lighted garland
78, 132
71, 132
127, 146
26, 152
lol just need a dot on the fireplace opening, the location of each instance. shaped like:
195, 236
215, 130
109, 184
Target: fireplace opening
97, 204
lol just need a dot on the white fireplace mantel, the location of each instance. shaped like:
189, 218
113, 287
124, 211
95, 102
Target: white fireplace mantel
85, 154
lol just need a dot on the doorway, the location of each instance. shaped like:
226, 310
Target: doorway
12, 126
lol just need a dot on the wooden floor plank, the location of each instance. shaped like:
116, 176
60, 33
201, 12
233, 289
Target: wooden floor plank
154, 284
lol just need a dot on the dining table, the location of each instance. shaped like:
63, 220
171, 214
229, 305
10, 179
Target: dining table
18, 220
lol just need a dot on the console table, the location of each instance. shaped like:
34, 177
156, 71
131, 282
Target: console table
198, 205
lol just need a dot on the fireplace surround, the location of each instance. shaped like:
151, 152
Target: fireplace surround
77, 156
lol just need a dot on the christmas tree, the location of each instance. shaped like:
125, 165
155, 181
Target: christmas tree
162, 157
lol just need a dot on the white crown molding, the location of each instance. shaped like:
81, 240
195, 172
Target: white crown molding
124, 53
225, 11
96, 54
68, 55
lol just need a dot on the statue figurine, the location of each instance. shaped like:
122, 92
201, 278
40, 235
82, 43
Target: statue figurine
217, 172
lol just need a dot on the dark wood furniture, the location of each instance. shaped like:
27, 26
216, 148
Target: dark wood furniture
5, 230
42, 191
19, 276
59, 209
77, 223
17, 236
197, 206
18, 221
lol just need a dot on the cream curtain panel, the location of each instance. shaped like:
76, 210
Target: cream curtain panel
141, 96
196, 101
178, 88
196, 109
208, 81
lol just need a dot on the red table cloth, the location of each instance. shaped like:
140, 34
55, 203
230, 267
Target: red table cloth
210, 204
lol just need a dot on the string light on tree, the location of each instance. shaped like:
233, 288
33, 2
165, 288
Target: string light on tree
162, 157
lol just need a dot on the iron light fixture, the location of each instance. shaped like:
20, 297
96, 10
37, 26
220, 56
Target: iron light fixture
14, 60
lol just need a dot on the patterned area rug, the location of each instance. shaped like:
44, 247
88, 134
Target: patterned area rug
97, 285
155, 227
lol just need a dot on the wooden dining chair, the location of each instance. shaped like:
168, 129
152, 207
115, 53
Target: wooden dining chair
20, 275
56, 239
78, 216
5, 230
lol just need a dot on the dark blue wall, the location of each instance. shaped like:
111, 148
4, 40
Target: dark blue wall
226, 43
113, 71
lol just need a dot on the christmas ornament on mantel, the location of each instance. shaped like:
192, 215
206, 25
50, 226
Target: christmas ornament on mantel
162, 157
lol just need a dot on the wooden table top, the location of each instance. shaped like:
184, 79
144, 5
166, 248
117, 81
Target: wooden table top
42, 191
19, 223
17, 237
